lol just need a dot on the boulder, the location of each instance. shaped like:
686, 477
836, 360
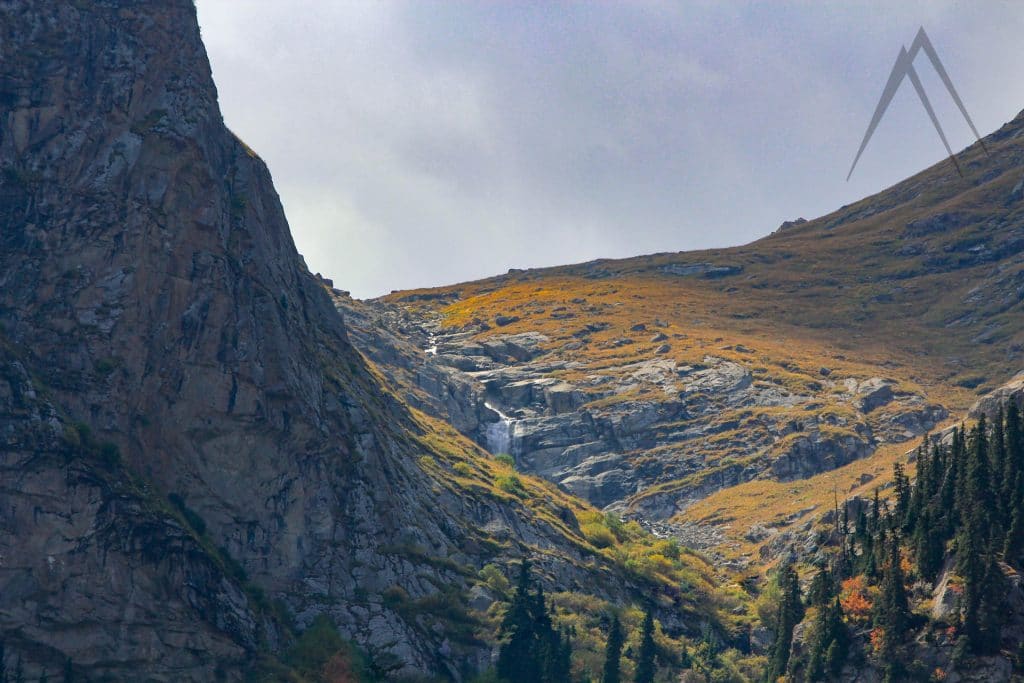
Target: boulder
874, 393
990, 403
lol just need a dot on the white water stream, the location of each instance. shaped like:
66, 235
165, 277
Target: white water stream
499, 434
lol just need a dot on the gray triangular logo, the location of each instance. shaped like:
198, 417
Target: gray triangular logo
904, 68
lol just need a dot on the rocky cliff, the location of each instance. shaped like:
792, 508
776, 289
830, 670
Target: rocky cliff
194, 458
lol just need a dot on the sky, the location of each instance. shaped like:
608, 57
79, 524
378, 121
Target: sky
425, 143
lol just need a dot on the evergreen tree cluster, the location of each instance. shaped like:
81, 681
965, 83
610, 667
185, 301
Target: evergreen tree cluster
534, 651
646, 666
969, 497
967, 501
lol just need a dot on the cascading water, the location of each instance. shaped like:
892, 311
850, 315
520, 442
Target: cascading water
431, 349
499, 434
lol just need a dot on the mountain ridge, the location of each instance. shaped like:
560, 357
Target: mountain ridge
883, 319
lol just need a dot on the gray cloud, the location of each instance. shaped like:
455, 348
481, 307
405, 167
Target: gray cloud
424, 143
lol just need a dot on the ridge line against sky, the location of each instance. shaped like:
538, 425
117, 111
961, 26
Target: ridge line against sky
425, 143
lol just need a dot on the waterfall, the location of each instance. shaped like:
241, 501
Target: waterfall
431, 349
499, 434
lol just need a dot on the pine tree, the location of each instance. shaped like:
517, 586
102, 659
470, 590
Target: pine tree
928, 545
992, 609
1013, 464
517, 659
830, 642
901, 485
1013, 547
919, 490
892, 611
645, 665
790, 612
613, 652
996, 467
970, 566
822, 588
561, 664
946, 502
533, 651
976, 493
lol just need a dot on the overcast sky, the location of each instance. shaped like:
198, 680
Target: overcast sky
426, 143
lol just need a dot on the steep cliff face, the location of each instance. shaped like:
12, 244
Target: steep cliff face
95, 574
162, 339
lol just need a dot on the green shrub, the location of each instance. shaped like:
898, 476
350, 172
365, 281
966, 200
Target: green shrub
510, 483
495, 579
505, 459
320, 652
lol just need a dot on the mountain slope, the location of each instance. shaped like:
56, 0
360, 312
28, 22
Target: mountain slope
655, 382
192, 449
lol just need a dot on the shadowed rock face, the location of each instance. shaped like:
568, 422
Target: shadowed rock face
150, 289
92, 570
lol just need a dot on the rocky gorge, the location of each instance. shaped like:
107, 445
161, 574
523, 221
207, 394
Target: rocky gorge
699, 427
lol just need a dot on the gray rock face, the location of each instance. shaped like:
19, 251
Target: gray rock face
93, 569
990, 403
150, 289
593, 438
874, 393
708, 270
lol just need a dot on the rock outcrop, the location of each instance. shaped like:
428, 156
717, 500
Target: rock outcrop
613, 435
163, 341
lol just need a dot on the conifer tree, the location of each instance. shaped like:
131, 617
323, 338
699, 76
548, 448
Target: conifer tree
901, 485
975, 495
517, 659
830, 642
996, 467
992, 609
790, 612
928, 545
892, 611
1012, 465
613, 652
645, 665
534, 651
822, 588
918, 490
560, 668
1013, 546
